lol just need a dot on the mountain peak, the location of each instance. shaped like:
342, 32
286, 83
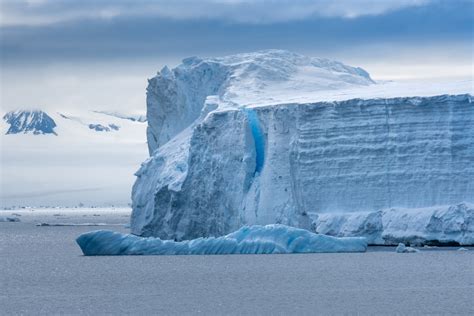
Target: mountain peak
32, 121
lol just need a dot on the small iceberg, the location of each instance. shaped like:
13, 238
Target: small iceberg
10, 219
269, 239
401, 248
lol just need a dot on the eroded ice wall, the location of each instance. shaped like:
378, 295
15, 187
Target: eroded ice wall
356, 155
176, 97
405, 152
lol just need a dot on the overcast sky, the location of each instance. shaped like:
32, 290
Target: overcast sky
72, 55
88, 53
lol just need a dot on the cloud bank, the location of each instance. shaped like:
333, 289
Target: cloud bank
46, 12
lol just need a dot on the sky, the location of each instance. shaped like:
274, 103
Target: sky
70, 56
99, 53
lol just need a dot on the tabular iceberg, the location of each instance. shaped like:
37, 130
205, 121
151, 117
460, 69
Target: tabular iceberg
230, 147
270, 239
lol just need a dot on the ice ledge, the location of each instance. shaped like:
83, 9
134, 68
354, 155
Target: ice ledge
357, 101
269, 239
439, 225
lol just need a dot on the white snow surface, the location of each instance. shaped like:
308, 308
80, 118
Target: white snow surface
276, 137
269, 239
175, 98
132, 117
70, 216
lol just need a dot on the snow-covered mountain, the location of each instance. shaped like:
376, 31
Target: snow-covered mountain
90, 158
133, 118
276, 137
98, 127
36, 122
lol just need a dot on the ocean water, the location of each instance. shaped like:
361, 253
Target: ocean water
42, 271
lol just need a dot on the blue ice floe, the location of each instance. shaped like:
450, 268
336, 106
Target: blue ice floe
269, 239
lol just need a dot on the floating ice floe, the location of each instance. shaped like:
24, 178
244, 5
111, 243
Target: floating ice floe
401, 248
9, 219
269, 239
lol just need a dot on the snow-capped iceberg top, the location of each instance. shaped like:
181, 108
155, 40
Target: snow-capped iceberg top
265, 76
176, 97
250, 78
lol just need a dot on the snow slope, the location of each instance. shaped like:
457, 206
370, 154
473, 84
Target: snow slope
133, 118
228, 150
270, 239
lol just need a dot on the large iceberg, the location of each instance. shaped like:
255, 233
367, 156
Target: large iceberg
276, 137
270, 239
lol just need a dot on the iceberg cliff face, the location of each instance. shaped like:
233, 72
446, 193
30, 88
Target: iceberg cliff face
223, 158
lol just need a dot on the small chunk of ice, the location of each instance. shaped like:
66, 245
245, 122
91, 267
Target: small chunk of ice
9, 219
401, 248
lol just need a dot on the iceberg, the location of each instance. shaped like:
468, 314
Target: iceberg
269, 239
401, 248
274, 137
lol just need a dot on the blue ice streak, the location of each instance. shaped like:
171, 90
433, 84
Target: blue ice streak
258, 138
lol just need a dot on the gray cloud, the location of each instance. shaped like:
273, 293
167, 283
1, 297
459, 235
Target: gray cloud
46, 12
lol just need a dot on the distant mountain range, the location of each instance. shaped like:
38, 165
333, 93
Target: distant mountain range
38, 122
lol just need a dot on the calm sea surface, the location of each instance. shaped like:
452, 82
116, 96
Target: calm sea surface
42, 271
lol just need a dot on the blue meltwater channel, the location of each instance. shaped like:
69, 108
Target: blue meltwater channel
258, 138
